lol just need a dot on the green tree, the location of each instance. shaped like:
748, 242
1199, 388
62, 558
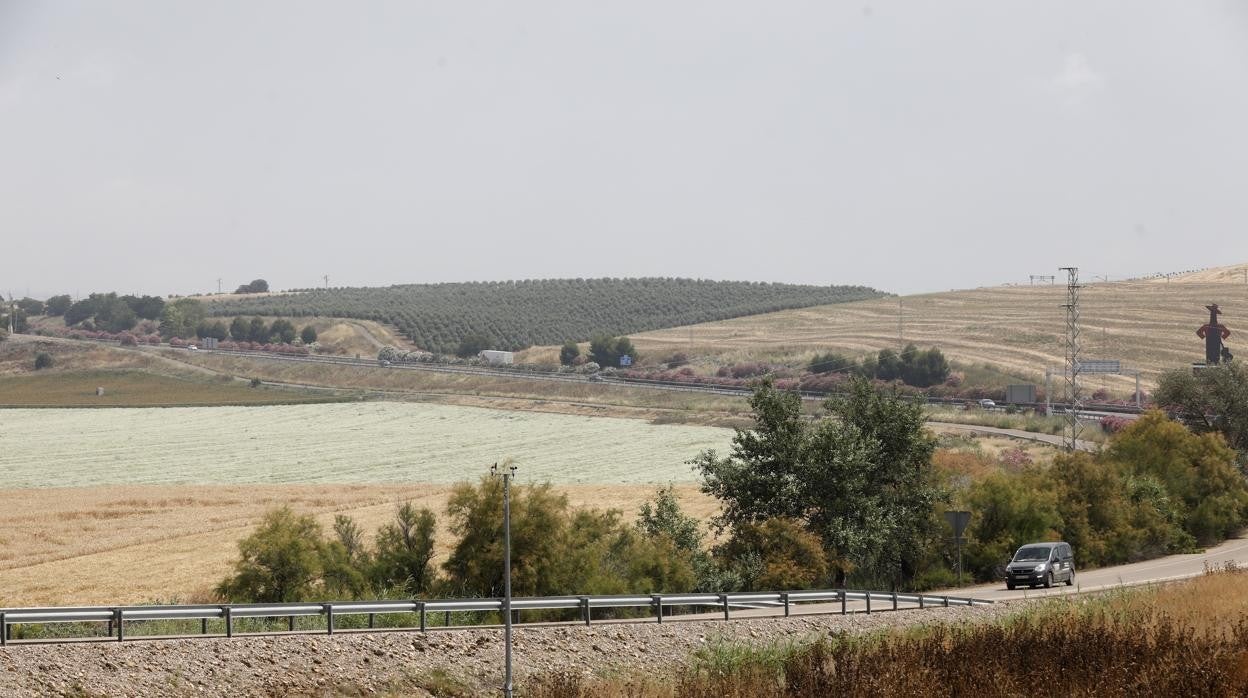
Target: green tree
1215, 399
308, 334
568, 353
1196, 470
258, 331
256, 286
31, 306
80, 311
57, 305
405, 551
173, 323
43, 360
279, 562
472, 345
146, 307
831, 362
538, 538
1007, 512
888, 365
112, 314
860, 478
240, 330
283, 331
776, 554
216, 330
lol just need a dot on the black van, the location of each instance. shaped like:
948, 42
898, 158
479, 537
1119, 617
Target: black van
1041, 563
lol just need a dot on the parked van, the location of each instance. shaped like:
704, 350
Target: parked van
1041, 564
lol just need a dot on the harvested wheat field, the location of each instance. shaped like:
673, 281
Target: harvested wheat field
146, 543
1149, 325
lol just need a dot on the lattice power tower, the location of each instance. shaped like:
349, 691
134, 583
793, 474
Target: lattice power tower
1070, 438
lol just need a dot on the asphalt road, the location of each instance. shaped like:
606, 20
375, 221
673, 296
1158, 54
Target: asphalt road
1161, 569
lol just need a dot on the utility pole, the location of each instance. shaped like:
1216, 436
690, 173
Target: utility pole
1071, 305
326, 277
218, 287
507, 478
901, 344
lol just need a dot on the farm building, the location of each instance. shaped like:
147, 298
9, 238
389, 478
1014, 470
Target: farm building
497, 358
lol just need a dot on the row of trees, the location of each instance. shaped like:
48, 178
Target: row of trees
518, 314
1156, 489
921, 368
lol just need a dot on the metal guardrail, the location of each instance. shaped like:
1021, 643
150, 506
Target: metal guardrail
117, 616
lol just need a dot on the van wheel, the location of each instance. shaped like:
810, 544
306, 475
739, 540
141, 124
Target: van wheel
1070, 581
1009, 585
1048, 581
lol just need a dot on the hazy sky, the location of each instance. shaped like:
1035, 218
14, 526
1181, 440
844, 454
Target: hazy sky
912, 146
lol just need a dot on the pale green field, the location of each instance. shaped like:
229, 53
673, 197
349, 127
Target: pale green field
375, 442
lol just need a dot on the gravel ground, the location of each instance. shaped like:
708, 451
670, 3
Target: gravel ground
350, 664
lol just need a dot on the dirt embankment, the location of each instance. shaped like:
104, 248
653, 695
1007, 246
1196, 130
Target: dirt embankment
456, 662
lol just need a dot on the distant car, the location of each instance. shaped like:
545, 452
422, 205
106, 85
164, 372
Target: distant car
192, 347
1041, 564
987, 404
596, 378
383, 362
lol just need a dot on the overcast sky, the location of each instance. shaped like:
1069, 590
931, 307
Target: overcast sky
912, 146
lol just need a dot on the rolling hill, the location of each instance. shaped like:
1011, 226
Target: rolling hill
1148, 324
519, 314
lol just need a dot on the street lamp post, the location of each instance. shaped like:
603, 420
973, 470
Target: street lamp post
507, 477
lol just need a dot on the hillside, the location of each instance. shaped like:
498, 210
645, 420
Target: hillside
519, 314
1149, 325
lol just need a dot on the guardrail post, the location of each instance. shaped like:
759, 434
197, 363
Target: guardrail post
372, 618
585, 612
120, 632
229, 622
447, 622
203, 626
420, 605
4, 629
843, 601
894, 601
657, 600
946, 602
921, 597
785, 598
723, 598
868, 595
329, 618
290, 624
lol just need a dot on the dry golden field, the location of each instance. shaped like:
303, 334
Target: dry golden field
1149, 325
143, 543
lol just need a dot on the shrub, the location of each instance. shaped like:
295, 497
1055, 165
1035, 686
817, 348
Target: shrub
129, 340
308, 334
43, 360
279, 562
569, 353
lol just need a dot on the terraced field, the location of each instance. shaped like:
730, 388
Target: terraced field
376, 442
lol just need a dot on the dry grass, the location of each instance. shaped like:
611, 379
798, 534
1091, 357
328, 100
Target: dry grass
1148, 325
604, 399
1181, 639
135, 544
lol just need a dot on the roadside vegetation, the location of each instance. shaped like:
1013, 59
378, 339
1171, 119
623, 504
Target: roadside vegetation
1179, 639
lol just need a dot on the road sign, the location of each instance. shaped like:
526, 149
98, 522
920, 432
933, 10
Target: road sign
626, 360
1100, 366
959, 520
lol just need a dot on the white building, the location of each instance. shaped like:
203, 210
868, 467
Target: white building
497, 358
